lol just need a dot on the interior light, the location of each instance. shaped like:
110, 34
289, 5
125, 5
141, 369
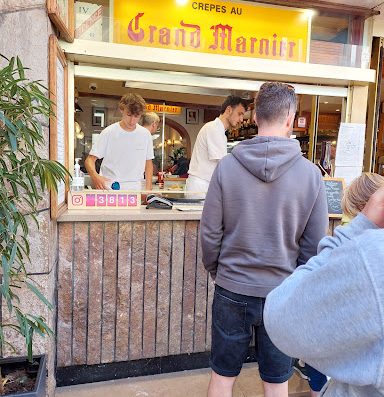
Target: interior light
310, 13
326, 102
337, 110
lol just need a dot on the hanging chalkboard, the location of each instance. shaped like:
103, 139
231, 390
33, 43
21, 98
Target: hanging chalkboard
334, 188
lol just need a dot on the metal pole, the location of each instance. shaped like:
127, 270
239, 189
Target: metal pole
162, 139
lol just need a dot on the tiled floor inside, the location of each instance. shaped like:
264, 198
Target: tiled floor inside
179, 384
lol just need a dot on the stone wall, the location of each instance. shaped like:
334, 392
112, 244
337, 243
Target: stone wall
24, 31
129, 291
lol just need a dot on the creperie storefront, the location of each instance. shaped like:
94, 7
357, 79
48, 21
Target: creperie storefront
238, 35
142, 295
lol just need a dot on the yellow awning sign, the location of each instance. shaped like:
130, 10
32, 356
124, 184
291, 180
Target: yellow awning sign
150, 107
217, 27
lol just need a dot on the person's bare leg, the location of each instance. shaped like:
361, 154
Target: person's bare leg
220, 386
314, 393
275, 389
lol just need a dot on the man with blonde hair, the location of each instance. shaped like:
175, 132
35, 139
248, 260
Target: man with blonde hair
126, 149
150, 121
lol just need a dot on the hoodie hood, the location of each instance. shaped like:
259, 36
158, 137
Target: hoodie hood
267, 157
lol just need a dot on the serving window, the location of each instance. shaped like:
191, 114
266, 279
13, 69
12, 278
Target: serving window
96, 106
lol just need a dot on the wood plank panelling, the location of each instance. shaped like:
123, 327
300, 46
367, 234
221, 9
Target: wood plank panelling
150, 289
123, 301
64, 295
163, 288
80, 292
189, 284
108, 320
176, 295
131, 290
137, 291
199, 343
95, 290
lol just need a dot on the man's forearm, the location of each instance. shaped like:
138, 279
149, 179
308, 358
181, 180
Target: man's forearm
148, 175
90, 166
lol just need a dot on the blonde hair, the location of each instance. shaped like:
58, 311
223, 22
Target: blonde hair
359, 191
149, 117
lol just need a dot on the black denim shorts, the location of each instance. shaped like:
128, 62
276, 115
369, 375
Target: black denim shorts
233, 318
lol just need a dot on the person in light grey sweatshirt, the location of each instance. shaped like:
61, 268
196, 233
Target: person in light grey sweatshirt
264, 214
330, 312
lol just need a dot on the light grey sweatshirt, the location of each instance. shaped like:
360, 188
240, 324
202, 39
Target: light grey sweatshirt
330, 312
264, 214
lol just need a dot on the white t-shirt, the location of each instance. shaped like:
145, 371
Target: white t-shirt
124, 153
210, 147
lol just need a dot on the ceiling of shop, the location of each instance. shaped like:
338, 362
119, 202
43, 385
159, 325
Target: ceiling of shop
115, 89
107, 90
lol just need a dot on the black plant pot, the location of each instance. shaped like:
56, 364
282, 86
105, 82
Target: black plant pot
9, 364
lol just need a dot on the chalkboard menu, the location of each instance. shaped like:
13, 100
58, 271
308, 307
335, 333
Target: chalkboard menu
334, 188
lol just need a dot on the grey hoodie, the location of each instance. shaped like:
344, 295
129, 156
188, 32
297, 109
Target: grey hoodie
330, 312
264, 214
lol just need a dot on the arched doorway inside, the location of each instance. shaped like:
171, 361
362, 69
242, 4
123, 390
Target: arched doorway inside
176, 138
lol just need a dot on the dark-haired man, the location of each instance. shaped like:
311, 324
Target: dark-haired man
126, 149
211, 143
264, 214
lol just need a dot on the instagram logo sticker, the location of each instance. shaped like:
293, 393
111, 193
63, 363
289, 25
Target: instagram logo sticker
77, 199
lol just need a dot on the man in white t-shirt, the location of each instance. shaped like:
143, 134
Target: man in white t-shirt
126, 149
211, 144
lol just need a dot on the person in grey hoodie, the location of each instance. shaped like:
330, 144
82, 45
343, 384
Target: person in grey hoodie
264, 214
330, 312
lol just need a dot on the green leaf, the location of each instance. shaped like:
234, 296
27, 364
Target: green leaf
38, 293
20, 68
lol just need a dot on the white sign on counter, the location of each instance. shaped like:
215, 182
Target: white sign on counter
350, 145
348, 173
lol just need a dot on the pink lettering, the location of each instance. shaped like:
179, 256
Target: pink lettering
134, 33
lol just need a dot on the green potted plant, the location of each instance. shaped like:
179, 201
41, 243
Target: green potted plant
25, 176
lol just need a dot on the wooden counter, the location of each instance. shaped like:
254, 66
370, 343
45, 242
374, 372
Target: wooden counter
142, 214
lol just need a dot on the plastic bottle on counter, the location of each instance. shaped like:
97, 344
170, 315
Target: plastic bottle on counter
78, 178
160, 179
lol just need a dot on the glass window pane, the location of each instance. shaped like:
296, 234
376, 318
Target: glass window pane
330, 116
